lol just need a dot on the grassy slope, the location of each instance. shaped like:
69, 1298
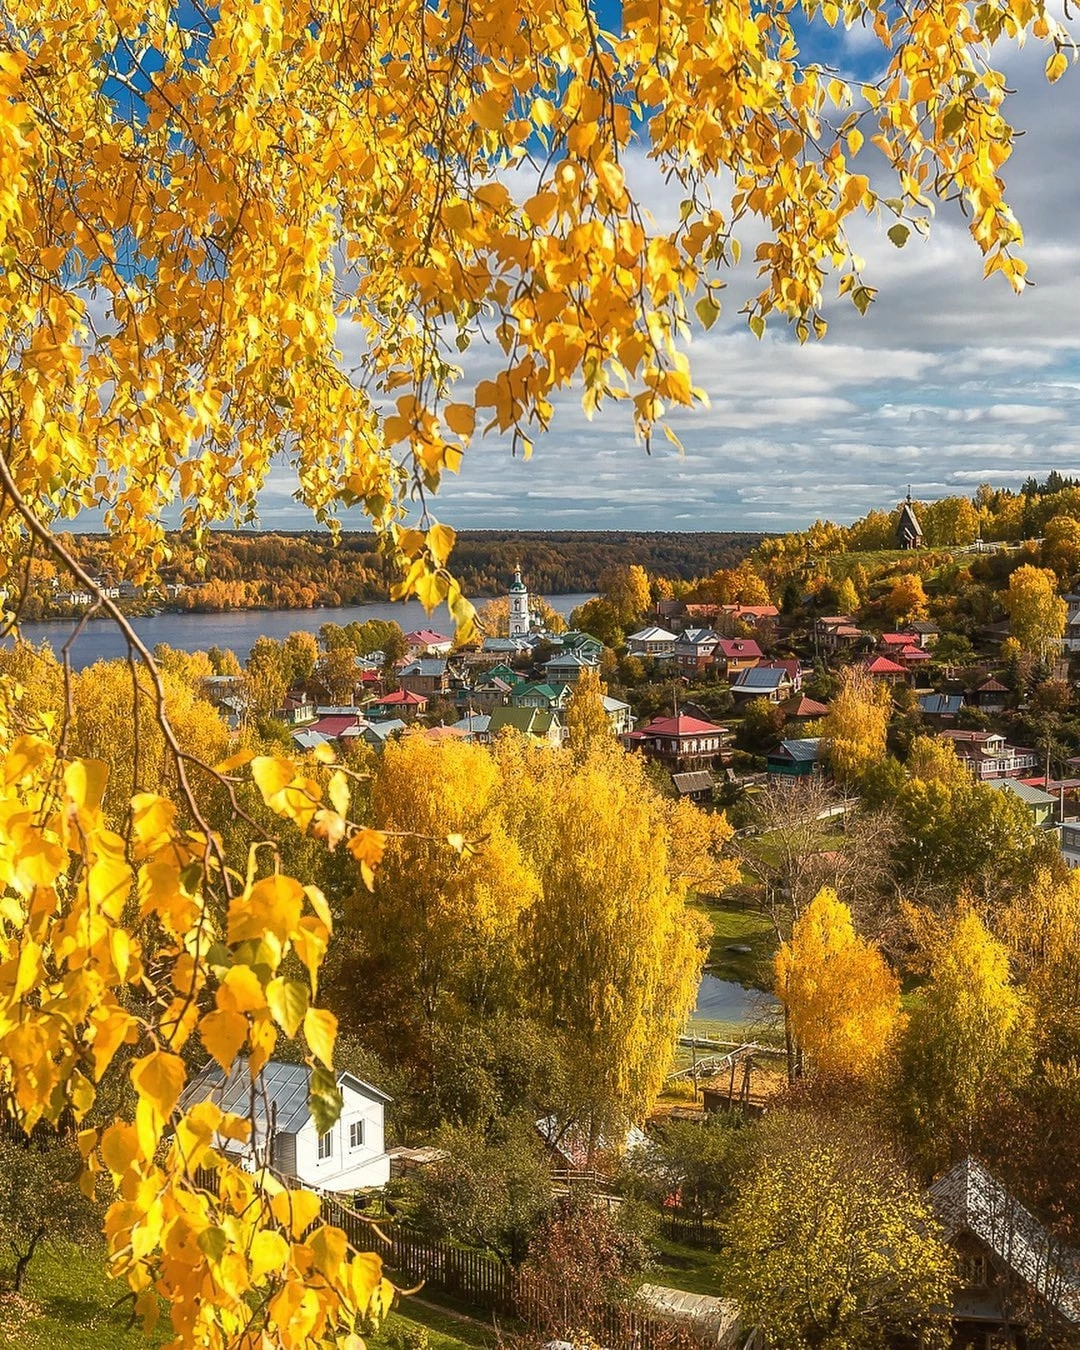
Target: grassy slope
68, 1304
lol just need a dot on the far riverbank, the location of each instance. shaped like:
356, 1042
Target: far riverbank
100, 640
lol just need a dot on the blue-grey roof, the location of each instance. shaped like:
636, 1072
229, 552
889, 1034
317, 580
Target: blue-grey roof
758, 677
476, 723
428, 665
569, 659
802, 752
381, 730
281, 1093
941, 705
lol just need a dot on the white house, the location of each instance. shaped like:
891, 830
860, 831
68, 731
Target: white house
655, 642
351, 1155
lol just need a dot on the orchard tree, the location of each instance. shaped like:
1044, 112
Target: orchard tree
841, 1000
195, 204
1036, 612
41, 1203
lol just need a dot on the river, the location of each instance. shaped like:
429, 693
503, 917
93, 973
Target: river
238, 629
725, 1001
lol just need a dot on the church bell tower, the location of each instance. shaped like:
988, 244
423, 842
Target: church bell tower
519, 606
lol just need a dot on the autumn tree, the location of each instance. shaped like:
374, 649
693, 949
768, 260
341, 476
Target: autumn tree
586, 717
830, 1243
265, 680
1042, 929
854, 728
840, 998
968, 1035
599, 619
299, 653
906, 600
1036, 612
194, 206
626, 590
847, 597
1061, 547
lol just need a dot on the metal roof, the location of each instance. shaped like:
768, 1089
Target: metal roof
802, 752
697, 780
280, 1093
968, 1199
761, 677
1031, 796
941, 705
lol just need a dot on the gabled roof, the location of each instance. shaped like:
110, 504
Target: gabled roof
699, 780
402, 698
541, 690
806, 751
475, 724
991, 686
652, 634
761, 677
678, 726
699, 637
382, 731
969, 1200
908, 520
613, 704
570, 660
335, 724
739, 648
281, 1092
531, 721
425, 637
433, 666
801, 705
881, 665
941, 705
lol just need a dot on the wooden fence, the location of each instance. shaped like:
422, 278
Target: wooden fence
486, 1285
691, 1230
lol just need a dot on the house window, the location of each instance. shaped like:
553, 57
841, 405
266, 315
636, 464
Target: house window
356, 1134
326, 1145
973, 1271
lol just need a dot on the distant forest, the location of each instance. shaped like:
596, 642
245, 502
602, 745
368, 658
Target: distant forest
272, 570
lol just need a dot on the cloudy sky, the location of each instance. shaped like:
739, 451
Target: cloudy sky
947, 382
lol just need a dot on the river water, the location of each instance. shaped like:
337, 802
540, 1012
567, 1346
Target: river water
726, 1001
238, 629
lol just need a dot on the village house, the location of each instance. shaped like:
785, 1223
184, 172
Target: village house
297, 709
582, 643
733, 655
1015, 1276
1070, 843
886, 670
793, 760
835, 632
567, 667
695, 650
350, 1156
987, 755
426, 642
1071, 640
924, 633
770, 682
990, 696
1041, 805
655, 642
401, 703
540, 695
697, 785
619, 715
543, 724
754, 616
428, 675
376, 734
492, 692
802, 708
941, 708
679, 743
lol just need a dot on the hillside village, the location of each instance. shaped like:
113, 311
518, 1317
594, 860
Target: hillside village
669, 929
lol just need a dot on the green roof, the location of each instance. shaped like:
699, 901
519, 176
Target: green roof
529, 721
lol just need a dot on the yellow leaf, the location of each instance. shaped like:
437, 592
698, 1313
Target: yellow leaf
241, 991
295, 1210
269, 1252
1056, 66
288, 1001
320, 1032
224, 1033
159, 1079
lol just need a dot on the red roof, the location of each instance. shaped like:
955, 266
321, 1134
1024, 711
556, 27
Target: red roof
678, 726
915, 654
759, 611
739, 648
896, 639
334, 724
369, 677
800, 705
881, 665
401, 697
425, 637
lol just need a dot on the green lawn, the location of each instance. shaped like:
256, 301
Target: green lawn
682, 1267
68, 1303
741, 927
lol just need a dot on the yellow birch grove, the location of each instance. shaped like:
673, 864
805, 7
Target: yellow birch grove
1036, 612
841, 998
200, 211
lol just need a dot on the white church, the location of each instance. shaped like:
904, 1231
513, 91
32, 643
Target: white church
520, 618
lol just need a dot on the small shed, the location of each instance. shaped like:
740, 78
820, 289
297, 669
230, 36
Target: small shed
349, 1156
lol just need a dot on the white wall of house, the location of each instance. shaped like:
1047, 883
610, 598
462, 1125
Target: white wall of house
348, 1165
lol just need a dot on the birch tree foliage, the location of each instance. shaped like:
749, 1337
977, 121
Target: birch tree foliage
198, 204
